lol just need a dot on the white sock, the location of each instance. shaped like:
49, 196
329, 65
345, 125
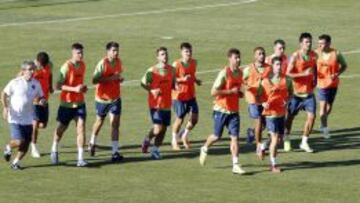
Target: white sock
186, 132
205, 149
8, 149
273, 161
33, 145
325, 130
80, 153
304, 140
263, 145
235, 160
115, 146
93, 139
54, 147
174, 137
16, 161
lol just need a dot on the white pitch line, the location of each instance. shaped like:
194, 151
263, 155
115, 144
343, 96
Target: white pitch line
351, 52
140, 13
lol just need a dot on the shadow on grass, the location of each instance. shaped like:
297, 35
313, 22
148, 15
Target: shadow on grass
313, 164
342, 139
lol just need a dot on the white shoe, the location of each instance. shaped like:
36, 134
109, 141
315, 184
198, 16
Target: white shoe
326, 133
81, 163
306, 147
287, 145
35, 152
203, 154
237, 169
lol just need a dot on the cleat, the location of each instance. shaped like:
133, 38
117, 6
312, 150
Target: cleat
116, 157
145, 146
186, 142
260, 153
203, 154
155, 155
54, 156
326, 133
287, 145
7, 155
275, 169
15, 167
237, 169
91, 149
35, 153
81, 163
306, 147
175, 146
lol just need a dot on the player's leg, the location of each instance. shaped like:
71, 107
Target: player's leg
80, 120
179, 109
115, 125
193, 120
163, 121
292, 111
233, 125
25, 132
219, 120
64, 116
175, 132
41, 116
101, 112
310, 108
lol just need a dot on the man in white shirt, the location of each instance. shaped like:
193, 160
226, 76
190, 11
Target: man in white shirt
18, 98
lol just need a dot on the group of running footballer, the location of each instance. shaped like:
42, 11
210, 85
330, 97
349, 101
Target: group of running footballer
276, 87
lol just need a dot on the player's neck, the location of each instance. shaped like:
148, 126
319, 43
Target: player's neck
185, 60
259, 64
74, 61
304, 51
161, 64
233, 67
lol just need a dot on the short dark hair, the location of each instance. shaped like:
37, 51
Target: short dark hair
185, 45
77, 45
43, 58
279, 41
233, 51
325, 37
276, 58
161, 49
305, 35
112, 44
259, 49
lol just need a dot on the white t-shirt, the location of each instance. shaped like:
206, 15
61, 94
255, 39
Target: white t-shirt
22, 93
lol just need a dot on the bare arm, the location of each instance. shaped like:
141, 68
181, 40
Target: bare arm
4, 101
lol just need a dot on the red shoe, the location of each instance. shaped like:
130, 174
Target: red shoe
145, 146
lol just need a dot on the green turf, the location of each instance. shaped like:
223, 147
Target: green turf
331, 175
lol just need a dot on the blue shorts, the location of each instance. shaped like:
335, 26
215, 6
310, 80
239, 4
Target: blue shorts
275, 125
161, 117
327, 95
21, 132
255, 111
181, 108
102, 109
230, 121
41, 113
65, 114
307, 104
